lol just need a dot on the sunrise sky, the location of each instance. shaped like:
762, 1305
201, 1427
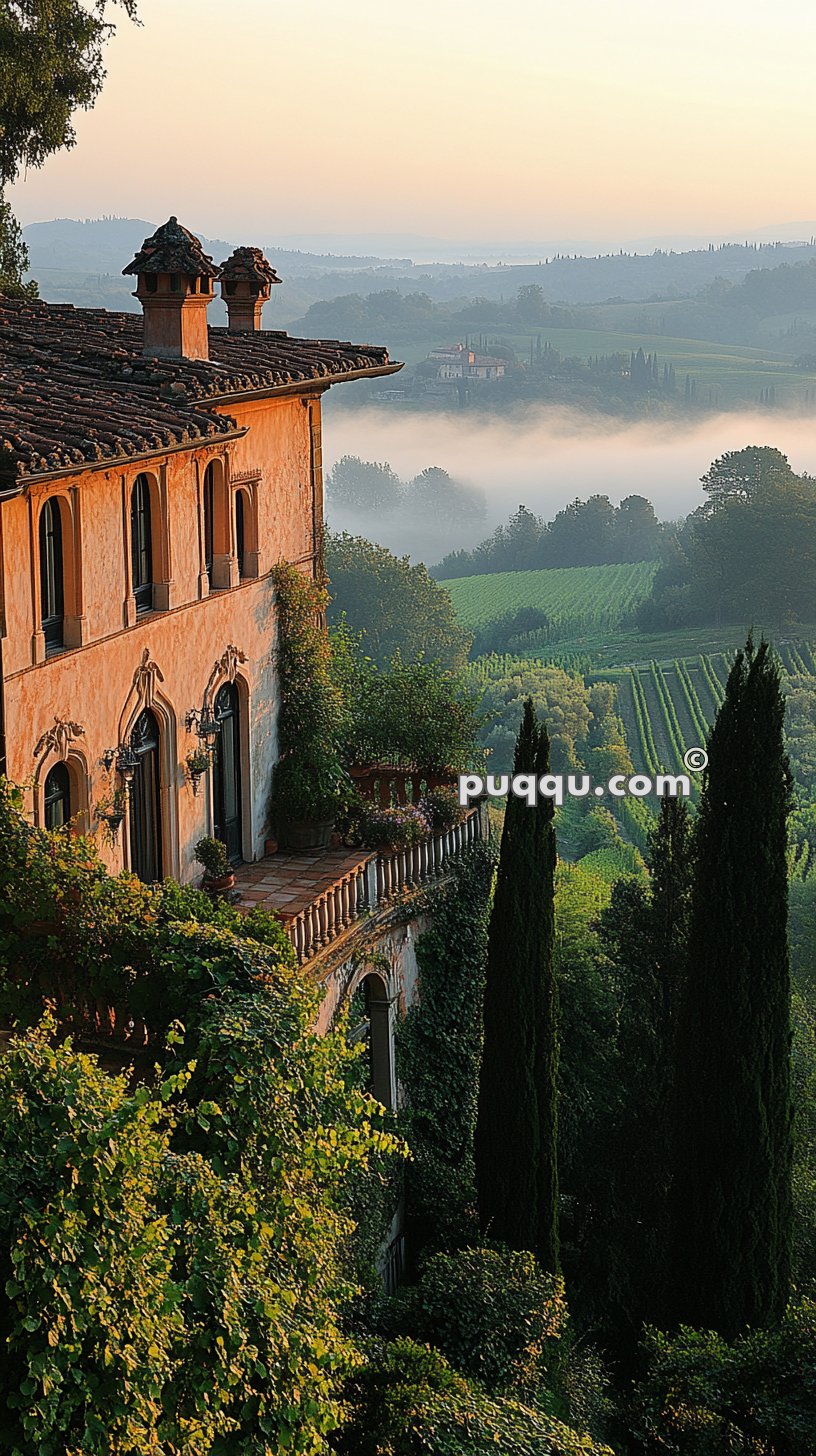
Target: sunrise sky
458, 118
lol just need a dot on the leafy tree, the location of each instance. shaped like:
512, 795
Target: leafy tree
740, 474
516, 1129
433, 492
438, 1053
364, 485
644, 934
396, 606
13, 256
50, 64
732, 1189
558, 697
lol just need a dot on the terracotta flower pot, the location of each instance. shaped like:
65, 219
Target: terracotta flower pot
302, 835
220, 886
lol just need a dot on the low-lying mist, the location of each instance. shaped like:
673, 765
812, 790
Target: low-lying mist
544, 459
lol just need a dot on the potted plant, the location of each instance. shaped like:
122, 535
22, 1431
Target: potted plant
219, 876
110, 810
441, 808
398, 827
309, 793
196, 763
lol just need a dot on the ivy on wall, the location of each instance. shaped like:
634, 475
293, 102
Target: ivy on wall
438, 1050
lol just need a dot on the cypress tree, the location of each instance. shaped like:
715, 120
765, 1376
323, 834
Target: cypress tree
644, 932
732, 1194
516, 1163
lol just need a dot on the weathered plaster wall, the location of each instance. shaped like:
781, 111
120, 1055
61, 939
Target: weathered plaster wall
117, 661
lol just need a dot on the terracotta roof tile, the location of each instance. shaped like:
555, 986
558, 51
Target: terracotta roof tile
173, 249
248, 264
75, 388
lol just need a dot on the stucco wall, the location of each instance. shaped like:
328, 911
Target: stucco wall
116, 661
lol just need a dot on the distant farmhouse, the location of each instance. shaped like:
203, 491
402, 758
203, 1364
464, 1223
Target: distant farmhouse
456, 362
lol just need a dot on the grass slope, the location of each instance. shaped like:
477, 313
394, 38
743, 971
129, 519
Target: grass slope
599, 596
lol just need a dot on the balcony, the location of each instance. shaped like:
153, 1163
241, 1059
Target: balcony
321, 896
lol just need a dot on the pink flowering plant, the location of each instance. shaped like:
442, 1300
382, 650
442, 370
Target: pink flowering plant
400, 826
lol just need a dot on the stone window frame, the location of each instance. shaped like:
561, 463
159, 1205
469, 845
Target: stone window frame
160, 540
74, 625
223, 571
248, 483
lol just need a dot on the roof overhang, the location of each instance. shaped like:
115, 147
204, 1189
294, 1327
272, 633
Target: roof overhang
306, 386
114, 461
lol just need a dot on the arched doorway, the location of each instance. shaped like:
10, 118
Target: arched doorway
227, 818
145, 800
370, 1020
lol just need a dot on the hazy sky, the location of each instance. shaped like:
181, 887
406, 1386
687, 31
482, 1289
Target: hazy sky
462, 118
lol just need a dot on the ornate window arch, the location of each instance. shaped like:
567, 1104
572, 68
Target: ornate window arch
61, 778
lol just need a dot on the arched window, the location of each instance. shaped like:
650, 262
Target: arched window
141, 544
240, 530
57, 797
209, 515
52, 591
145, 800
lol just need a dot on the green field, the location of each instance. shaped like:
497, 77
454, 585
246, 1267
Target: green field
579, 597
725, 374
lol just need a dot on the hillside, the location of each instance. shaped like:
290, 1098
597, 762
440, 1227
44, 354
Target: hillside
574, 598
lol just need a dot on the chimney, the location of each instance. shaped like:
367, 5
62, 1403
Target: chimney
246, 283
174, 286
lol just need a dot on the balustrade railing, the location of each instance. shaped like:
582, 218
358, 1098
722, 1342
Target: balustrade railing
381, 882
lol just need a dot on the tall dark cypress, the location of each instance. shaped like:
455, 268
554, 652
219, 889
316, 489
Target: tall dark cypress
732, 1194
644, 932
516, 1164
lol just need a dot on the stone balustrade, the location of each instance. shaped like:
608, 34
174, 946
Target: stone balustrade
380, 882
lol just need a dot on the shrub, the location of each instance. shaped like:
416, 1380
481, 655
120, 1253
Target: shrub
702, 1396
407, 1401
213, 858
309, 780
494, 1315
442, 809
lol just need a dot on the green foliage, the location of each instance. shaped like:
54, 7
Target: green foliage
212, 856
407, 1401
406, 714
13, 256
747, 553
803, 1075
438, 1052
704, 1397
309, 781
559, 698
493, 1314
71, 931
584, 533
397, 606
93, 1324
516, 1129
50, 64
575, 599
177, 1255
732, 1191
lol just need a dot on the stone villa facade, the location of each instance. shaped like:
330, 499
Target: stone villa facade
152, 472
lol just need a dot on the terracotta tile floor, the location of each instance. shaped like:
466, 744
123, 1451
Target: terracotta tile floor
290, 882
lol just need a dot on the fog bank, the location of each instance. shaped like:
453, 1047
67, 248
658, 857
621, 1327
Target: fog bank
544, 459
